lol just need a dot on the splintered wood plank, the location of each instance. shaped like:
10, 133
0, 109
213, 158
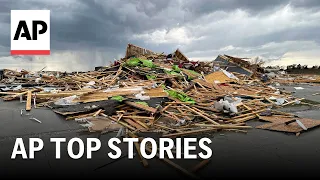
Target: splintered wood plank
97, 113
244, 119
82, 115
141, 123
248, 114
119, 122
200, 114
29, 98
137, 145
142, 107
224, 126
10, 97
171, 117
155, 92
134, 124
165, 127
202, 86
203, 83
166, 107
206, 108
9, 93
114, 79
139, 117
208, 115
143, 160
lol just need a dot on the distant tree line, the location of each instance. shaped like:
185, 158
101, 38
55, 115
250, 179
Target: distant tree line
299, 66
293, 66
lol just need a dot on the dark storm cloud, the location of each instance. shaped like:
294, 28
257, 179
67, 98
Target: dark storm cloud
306, 3
109, 23
29, 58
93, 23
207, 6
252, 6
105, 27
297, 34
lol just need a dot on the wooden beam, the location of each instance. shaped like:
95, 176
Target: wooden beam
139, 117
29, 98
165, 127
208, 115
166, 107
203, 116
171, 117
97, 113
9, 93
224, 126
119, 122
240, 120
134, 124
81, 116
137, 145
141, 123
142, 107
292, 102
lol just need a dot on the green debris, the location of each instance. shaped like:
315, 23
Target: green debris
142, 103
172, 73
194, 73
190, 78
181, 96
133, 62
147, 63
118, 98
150, 77
175, 71
140, 62
175, 68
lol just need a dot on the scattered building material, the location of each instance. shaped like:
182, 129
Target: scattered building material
167, 95
284, 124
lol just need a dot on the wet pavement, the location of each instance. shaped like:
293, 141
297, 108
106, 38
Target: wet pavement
258, 153
306, 93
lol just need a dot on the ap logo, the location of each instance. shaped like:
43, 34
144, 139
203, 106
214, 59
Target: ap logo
30, 32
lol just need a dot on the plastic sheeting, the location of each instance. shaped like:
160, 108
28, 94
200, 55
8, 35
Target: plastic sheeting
66, 101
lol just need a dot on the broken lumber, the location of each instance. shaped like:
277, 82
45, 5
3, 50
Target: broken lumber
29, 98
203, 116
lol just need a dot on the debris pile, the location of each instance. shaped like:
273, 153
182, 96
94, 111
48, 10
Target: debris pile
164, 94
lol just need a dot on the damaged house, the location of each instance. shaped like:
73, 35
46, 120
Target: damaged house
237, 65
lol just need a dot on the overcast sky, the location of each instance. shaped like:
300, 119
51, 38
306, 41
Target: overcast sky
88, 33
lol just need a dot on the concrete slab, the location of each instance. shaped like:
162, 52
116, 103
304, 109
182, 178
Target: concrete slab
306, 92
13, 124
